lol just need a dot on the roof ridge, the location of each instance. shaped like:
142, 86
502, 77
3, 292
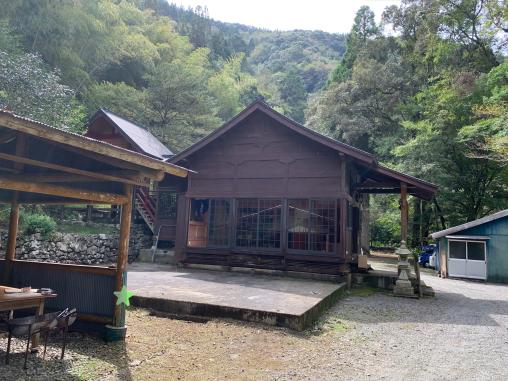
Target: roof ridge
471, 224
262, 105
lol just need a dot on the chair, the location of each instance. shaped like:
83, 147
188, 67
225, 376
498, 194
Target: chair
29, 326
64, 320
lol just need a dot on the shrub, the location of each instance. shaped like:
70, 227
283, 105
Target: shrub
38, 223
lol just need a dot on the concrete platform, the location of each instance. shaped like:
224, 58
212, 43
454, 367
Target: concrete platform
280, 301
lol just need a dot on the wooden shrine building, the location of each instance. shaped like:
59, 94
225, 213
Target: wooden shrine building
267, 192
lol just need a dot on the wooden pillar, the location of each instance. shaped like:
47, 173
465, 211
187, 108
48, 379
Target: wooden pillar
343, 208
123, 251
365, 224
404, 212
10, 252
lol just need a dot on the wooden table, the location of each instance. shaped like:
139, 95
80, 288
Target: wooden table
23, 300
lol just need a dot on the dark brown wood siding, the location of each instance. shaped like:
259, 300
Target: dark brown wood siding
261, 158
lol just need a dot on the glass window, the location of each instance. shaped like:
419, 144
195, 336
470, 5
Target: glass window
298, 224
269, 223
322, 225
311, 225
167, 204
258, 223
247, 222
457, 250
218, 224
476, 251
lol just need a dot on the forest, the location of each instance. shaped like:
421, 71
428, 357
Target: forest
426, 89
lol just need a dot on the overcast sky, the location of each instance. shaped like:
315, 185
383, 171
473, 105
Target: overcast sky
328, 15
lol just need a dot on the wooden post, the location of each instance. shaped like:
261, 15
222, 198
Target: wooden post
343, 208
404, 212
123, 251
10, 252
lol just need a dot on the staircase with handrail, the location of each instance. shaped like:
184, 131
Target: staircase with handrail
146, 205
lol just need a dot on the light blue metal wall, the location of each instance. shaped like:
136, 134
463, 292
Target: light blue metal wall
497, 247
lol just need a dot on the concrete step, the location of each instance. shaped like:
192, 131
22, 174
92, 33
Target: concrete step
166, 257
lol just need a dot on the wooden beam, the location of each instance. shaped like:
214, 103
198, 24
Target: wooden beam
55, 135
145, 172
128, 177
57, 190
123, 251
69, 201
63, 168
67, 267
404, 215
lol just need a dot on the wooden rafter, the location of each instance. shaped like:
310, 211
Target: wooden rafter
63, 168
145, 172
127, 177
57, 190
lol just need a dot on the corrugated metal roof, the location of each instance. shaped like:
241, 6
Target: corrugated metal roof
469, 237
471, 224
137, 135
148, 161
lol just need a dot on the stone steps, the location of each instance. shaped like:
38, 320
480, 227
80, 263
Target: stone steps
166, 257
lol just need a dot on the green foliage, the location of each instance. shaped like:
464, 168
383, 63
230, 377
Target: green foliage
384, 221
33, 223
30, 88
487, 137
86, 229
178, 101
430, 102
231, 87
118, 97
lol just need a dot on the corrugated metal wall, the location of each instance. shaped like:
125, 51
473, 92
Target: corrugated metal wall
89, 293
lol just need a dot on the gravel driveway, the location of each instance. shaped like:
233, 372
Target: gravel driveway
461, 334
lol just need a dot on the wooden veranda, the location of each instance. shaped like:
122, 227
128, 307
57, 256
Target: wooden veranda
40, 164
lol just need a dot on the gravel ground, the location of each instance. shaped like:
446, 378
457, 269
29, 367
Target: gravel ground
461, 334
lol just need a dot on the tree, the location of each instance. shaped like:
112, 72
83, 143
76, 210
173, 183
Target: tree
118, 97
179, 108
231, 87
364, 28
487, 137
29, 88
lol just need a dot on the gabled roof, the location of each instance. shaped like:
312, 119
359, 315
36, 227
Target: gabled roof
38, 129
138, 136
420, 188
471, 224
260, 105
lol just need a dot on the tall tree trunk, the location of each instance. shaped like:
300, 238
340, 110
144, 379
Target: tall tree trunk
439, 213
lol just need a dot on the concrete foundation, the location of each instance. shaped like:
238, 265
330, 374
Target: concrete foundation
279, 301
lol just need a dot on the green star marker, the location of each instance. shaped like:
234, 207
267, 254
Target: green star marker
123, 296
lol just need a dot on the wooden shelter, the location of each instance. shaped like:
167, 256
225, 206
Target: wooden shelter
270, 193
40, 164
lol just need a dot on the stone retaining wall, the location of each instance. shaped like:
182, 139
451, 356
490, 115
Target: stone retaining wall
93, 249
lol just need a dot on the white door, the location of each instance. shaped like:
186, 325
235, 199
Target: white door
467, 259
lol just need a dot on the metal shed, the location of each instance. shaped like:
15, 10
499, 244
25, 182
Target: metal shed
476, 249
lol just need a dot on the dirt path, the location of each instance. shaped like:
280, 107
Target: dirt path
462, 334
